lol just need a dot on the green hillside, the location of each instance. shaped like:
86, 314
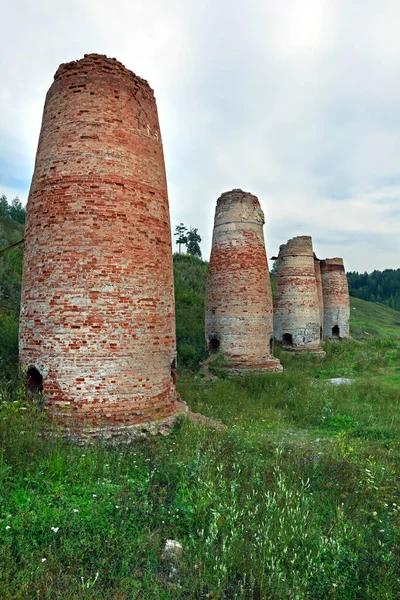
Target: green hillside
370, 318
190, 275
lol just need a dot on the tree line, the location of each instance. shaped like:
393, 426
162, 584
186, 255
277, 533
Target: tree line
13, 210
378, 286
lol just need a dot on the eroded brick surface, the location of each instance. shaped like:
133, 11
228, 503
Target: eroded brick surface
336, 298
296, 305
97, 317
318, 279
238, 294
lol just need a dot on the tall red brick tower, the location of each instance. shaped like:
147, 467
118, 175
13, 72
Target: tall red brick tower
238, 318
336, 299
318, 279
296, 304
97, 329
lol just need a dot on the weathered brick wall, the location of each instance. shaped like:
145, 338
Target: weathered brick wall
296, 306
97, 317
318, 278
336, 298
238, 293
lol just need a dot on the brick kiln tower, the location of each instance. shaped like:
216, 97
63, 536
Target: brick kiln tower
318, 278
296, 306
336, 298
97, 329
238, 317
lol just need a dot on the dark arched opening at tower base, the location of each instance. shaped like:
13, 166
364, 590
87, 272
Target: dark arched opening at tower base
213, 344
336, 331
34, 382
287, 339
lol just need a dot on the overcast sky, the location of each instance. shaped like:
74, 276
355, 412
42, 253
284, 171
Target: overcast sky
297, 102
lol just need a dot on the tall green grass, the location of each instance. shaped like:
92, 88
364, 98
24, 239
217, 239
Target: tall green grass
290, 501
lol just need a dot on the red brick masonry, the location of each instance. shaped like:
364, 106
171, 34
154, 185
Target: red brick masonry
97, 318
297, 320
336, 299
318, 278
238, 316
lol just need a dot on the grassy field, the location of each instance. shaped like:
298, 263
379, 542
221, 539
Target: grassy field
298, 498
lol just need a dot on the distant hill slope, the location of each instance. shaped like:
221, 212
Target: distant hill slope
10, 265
372, 319
190, 275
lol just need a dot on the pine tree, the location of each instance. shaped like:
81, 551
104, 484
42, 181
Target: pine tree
3, 206
193, 243
17, 211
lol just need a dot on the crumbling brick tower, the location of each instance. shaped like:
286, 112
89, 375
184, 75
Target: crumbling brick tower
336, 298
318, 278
296, 305
97, 329
238, 318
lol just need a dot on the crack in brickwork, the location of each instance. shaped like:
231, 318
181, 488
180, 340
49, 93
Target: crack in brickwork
98, 315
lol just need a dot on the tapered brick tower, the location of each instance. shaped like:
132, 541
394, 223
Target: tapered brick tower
296, 305
238, 319
97, 329
318, 279
336, 299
